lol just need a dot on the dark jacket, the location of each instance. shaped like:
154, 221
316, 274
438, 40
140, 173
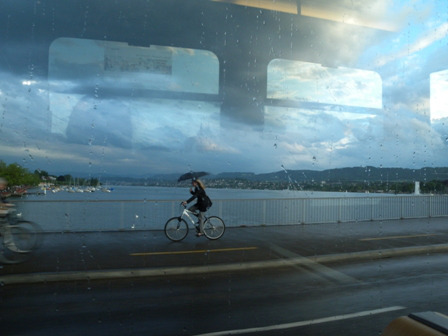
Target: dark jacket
200, 194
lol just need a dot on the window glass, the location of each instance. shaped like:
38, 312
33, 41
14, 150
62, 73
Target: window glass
439, 96
308, 82
110, 93
319, 128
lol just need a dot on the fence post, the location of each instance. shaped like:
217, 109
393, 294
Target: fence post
303, 210
339, 210
220, 208
401, 207
264, 212
429, 206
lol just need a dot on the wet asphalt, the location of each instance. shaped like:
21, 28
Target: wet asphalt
72, 256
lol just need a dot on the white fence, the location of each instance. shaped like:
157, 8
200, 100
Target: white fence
60, 216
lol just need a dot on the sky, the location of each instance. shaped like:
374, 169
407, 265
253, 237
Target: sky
385, 106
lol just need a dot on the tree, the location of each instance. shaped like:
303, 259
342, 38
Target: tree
43, 175
17, 175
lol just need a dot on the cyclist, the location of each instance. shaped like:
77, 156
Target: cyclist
5, 230
4, 205
198, 192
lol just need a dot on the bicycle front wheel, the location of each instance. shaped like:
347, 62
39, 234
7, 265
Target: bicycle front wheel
214, 227
176, 229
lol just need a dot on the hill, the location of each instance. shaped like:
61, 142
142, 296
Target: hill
359, 174
351, 174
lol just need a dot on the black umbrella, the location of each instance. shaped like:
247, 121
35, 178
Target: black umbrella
191, 175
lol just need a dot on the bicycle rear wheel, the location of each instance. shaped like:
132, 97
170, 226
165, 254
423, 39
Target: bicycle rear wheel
16, 243
23, 236
214, 227
176, 229
8, 256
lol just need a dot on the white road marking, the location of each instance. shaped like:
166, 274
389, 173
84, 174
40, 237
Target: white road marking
304, 323
327, 272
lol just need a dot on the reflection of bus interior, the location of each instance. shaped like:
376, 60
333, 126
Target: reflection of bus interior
225, 81
287, 35
148, 79
296, 68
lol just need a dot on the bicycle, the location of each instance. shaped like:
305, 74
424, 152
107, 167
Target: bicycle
18, 238
176, 228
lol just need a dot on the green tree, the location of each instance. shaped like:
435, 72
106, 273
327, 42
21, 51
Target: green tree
17, 175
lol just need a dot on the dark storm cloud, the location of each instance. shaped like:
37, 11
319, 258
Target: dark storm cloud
107, 123
24, 106
24, 59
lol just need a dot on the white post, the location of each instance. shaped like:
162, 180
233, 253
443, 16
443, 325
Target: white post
417, 188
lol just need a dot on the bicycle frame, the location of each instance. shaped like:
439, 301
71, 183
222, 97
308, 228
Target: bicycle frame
187, 214
10, 218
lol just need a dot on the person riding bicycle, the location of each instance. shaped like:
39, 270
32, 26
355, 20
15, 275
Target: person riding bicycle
201, 204
4, 204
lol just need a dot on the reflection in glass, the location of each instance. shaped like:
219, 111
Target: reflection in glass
118, 92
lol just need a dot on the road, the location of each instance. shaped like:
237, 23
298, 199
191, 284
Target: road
348, 279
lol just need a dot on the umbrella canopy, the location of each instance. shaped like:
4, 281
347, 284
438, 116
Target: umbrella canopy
191, 175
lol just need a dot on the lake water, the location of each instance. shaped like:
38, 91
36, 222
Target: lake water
165, 193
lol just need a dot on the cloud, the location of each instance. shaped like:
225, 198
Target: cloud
425, 40
309, 82
24, 108
293, 148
